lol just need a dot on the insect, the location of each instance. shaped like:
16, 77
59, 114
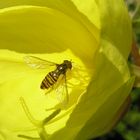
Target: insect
55, 79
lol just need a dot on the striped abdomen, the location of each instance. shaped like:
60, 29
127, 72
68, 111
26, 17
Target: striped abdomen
50, 79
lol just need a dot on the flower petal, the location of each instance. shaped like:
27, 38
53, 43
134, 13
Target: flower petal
17, 79
65, 6
112, 18
101, 122
38, 21
49, 3
42, 30
116, 24
90, 10
103, 98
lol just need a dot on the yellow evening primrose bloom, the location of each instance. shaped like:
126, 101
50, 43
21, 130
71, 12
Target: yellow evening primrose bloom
95, 36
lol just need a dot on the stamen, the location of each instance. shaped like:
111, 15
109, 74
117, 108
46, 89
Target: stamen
38, 124
28, 114
46, 120
42, 133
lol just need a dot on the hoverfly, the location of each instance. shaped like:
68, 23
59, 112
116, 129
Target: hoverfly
55, 79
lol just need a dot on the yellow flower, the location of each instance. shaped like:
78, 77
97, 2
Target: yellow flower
95, 36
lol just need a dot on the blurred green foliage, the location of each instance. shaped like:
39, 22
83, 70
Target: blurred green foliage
129, 127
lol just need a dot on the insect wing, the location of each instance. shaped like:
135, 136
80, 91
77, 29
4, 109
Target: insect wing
62, 90
38, 63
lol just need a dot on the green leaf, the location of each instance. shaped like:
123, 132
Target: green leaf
136, 20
